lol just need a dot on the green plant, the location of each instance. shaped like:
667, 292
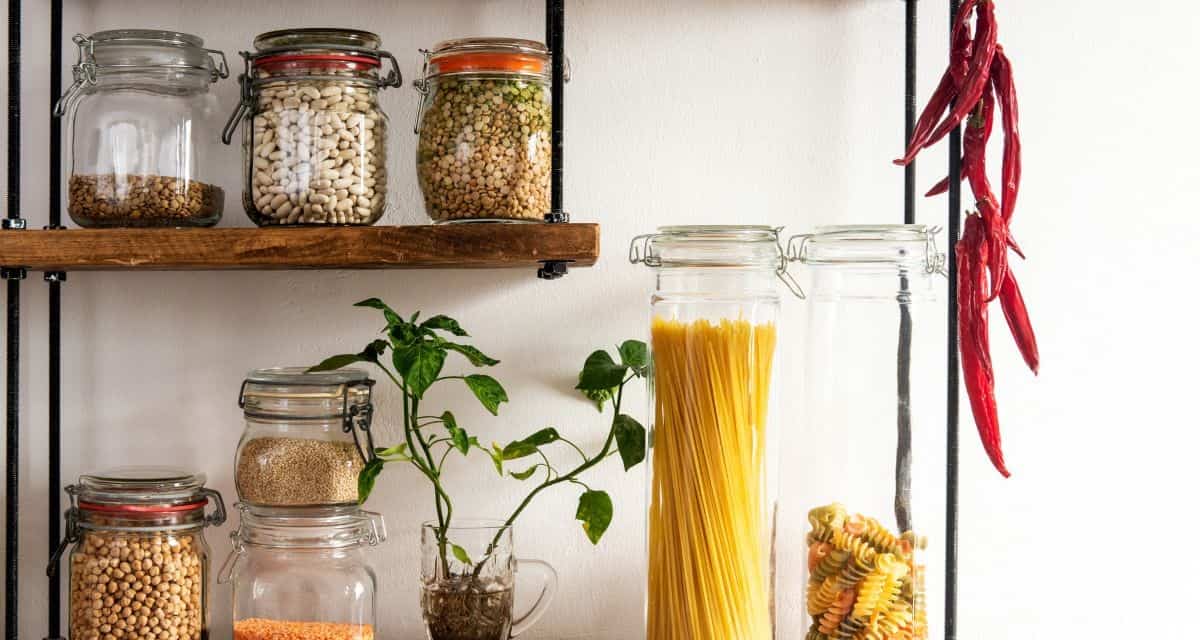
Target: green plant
418, 353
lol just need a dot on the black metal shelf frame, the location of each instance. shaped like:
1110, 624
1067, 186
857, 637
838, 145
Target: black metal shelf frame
555, 40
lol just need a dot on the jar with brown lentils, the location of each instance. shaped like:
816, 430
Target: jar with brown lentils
139, 567
484, 148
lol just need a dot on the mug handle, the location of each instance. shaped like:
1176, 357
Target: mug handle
549, 578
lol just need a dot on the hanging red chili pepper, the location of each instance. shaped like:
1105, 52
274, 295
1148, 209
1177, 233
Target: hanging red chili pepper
978, 80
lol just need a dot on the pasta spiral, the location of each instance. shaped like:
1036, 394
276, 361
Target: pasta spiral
864, 581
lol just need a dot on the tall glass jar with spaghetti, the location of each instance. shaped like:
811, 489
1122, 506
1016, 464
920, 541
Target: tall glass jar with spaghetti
859, 531
712, 453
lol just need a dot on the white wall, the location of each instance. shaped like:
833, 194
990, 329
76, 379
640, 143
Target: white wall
689, 111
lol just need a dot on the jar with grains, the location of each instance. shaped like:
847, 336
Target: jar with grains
484, 148
139, 565
303, 573
315, 145
307, 437
142, 126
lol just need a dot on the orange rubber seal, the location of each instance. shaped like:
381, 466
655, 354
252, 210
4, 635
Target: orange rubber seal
142, 508
509, 62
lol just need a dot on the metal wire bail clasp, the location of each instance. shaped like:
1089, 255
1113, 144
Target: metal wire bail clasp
71, 535
789, 281
246, 102
935, 260
357, 417
227, 567
421, 84
640, 251
220, 65
84, 73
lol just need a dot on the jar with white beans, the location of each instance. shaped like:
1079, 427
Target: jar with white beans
484, 148
315, 138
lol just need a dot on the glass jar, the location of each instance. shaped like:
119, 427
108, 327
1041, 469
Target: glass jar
307, 437
713, 476
484, 125
303, 573
139, 564
140, 121
470, 597
315, 149
869, 500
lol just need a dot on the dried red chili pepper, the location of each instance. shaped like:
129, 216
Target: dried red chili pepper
1013, 304
973, 86
1006, 93
974, 348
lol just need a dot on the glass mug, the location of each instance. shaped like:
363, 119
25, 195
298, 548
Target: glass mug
467, 582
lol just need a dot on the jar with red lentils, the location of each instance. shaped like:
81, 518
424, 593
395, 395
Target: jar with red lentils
139, 565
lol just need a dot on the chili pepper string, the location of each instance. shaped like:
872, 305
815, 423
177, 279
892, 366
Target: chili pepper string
977, 83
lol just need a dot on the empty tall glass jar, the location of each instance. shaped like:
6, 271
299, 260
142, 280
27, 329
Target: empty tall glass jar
141, 130
865, 509
315, 146
304, 573
712, 455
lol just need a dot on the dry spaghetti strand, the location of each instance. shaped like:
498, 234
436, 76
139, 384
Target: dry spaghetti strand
709, 526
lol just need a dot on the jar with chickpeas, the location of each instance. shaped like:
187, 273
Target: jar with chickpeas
314, 139
139, 565
484, 146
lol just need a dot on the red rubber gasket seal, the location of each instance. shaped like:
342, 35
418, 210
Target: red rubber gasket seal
315, 57
138, 508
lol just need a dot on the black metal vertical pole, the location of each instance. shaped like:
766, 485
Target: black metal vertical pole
952, 228
555, 26
910, 107
13, 275
54, 281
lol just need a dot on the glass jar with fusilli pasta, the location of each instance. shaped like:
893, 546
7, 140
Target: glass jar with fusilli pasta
859, 531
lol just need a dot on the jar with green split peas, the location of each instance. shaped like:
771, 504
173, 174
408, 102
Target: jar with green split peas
142, 130
484, 148
307, 437
860, 551
139, 564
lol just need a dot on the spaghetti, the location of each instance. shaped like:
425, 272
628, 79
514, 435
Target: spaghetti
709, 575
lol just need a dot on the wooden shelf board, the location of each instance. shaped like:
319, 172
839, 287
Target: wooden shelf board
468, 246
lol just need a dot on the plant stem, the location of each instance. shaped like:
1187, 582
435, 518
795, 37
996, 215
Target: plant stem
568, 477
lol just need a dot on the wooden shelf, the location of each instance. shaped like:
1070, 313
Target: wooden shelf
468, 246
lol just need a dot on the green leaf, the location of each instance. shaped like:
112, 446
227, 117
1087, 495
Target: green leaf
488, 390
635, 355
529, 446
419, 365
392, 317
459, 438
366, 479
476, 356
336, 362
444, 323
398, 453
404, 334
601, 372
631, 440
524, 475
460, 554
497, 455
595, 512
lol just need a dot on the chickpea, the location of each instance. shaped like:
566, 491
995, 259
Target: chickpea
112, 591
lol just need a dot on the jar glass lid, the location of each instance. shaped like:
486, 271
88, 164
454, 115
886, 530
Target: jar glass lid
308, 527
730, 246
490, 55
127, 48
889, 245
140, 485
293, 392
316, 38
